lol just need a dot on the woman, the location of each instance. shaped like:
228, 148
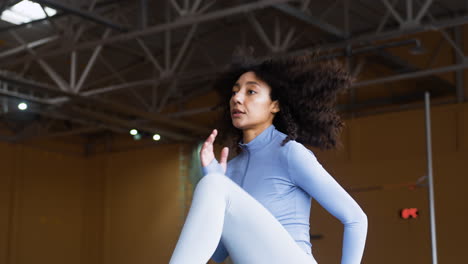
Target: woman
255, 208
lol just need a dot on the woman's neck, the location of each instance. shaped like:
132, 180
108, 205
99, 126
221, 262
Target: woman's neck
251, 133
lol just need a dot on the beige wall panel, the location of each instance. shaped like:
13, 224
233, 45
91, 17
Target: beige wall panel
390, 238
450, 181
397, 135
93, 212
50, 209
444, 129
7, 198
463, 127
388, 136
377, 182
144, 211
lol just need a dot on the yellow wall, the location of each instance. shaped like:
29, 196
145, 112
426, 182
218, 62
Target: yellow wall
389, 151
43, 201
142, 205
116, 208
126, 207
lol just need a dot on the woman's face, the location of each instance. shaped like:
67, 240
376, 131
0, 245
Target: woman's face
251, 97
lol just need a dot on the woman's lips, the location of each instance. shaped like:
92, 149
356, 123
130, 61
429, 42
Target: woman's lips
237, 114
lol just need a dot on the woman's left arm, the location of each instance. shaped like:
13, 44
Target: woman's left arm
307, 173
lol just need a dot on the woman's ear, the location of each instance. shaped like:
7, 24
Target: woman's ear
275, 108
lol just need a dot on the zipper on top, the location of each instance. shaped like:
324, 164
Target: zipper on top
246, 167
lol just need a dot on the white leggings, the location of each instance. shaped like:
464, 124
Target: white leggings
222, 210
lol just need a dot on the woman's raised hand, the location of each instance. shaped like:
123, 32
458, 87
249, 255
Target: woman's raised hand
207, 154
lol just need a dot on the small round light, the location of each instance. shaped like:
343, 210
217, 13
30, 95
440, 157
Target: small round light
22, 106
133, 132
156, 137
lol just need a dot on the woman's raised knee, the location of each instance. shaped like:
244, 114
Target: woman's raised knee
213, 182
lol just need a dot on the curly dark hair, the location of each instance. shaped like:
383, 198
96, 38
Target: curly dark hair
305, 88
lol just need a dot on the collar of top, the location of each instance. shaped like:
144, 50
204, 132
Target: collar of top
261, 140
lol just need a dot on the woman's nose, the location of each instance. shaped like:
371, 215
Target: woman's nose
237, 98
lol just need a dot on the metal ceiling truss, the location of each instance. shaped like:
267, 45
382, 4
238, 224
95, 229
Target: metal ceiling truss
170, 53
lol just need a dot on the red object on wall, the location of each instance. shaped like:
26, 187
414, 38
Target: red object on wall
407, 213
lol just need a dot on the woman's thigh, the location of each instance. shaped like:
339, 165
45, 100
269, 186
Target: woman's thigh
251, 234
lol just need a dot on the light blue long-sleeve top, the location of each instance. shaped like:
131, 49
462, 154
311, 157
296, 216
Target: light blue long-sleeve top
284, 179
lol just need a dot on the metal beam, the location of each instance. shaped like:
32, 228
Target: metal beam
430, 176
413, 75
112, 106
405, 107
118, 87
67, 133
183, 22
61, 116
287, 9
339, 35
423, 10
16, 27
108, 89
167, 41
390, 34
73, 70
459, 58
150, 55
82, 27
81, 13
183, 49
191, 112
121, 71
393, 12
90, 63
27, 97
45, 66
113, 121
27, 46
260, 31
401, 66
415, 96
455, 46
90, 125
121, 78
130, 125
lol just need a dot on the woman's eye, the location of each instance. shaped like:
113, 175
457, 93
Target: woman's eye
233, 92
252, 91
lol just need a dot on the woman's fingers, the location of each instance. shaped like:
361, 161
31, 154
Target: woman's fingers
223, 159
211, 137
206, 153
209, 141
224, 155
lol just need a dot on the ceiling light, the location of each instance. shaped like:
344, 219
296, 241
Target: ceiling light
133, 132
26, 11
22, 106
156, 137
